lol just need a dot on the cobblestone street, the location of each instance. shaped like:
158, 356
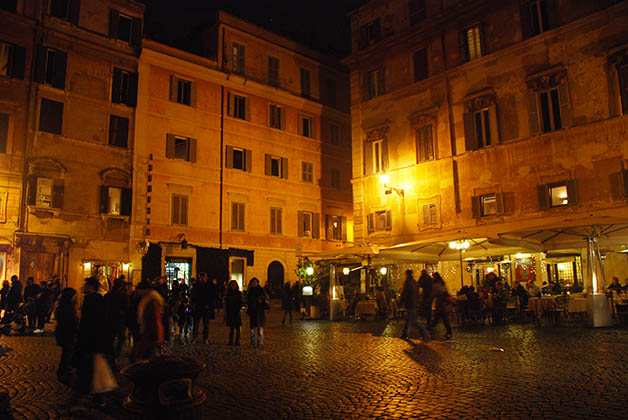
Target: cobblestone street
362, 370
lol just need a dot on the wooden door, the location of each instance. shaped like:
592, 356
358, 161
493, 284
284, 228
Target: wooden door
39, 265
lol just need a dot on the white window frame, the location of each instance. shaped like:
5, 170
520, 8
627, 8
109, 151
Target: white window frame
565, 198
488, 202
42, 199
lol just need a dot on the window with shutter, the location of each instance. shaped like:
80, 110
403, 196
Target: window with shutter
622, 72
179, 210
276, 220
307, 172
51, 67
548, 102
276, 116
51, 116
237, 51
424, 143
305, 126
118, 131
237, 107
4, 132
335, 228
12, 60
305, 83
472, 43
124, 87
273, 71
237, 216
306, 224
536, 17
420, 65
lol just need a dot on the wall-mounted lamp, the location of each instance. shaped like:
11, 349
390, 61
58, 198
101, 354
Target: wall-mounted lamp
385, 179
125, 267
87, 265
383, 271
346, 271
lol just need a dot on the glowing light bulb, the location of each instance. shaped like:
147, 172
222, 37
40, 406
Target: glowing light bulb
384, 178
309, 271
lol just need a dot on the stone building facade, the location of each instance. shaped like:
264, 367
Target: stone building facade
499, 123
241, 158
71, 136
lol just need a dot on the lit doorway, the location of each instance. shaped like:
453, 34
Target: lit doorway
178, 269
237, 267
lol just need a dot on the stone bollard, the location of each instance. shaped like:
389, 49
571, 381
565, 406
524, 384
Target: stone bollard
163, 388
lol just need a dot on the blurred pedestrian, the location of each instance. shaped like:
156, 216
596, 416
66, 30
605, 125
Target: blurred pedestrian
287, 303
118, 304
257, 301
425, 283
66, 332
202, 306
42, 305
233, 305
150, 321
443, 302
6, 286
409, 300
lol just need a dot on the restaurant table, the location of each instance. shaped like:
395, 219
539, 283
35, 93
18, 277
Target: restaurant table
578, 305
540, 304
364, 308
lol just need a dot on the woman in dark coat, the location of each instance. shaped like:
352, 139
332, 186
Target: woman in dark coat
256, 301
233, 304
66, 331
287, 302
443, 303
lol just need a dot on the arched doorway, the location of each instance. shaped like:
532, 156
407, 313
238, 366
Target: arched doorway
275, 277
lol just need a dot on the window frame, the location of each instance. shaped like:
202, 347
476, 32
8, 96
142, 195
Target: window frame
48, 101
425, 75
5, 133
482, 128
130, 21
238, 61
334, 179
557, 185
378, 156
334, 139
622, 75
238, 216
478, 50
310, 123
551, 111
238, 108
276, 220
273, 71
114, 131
424, 144
276, 116
307, 172
416, 11
432, 219
181, 198
305, 77
488, 205
308, 216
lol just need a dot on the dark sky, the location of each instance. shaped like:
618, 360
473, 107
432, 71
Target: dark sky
320, 24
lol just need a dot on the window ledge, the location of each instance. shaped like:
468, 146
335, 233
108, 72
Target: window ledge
114, 217
43, 210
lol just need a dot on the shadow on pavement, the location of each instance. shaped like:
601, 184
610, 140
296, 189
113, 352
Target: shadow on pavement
424, 355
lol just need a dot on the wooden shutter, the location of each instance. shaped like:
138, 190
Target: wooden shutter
114, 17
385, 162
247, 109
572, 191
248, 160
170, 146
267, 164
230, 104
469, 131
184, 210
60, 64
499, 199
370, 222
40, 66
32, 190
282, 112
174, 89
18, 61
524, 18
624, 173
4, 132
343, 226
565, 109
132, 94
104, 199
533, 114
300, 224
116, 85
175, 210
543, 196
381, 81
136, 32
75, 8
57, 194
316, 225
368, 158
284, 168
192, 145
193, 92
328, 231
476, 206
228, 156
463, 46
388, 220
494, 127
551, 11
126, 202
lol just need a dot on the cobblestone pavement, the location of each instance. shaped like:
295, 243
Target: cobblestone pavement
362, 370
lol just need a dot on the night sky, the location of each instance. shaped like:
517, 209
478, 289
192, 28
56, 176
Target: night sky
319, 24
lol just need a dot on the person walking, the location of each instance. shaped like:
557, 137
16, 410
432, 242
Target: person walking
42, 305
409, 300
296, 298
202, 307
118, 304
233, 305
31, 290
425, 283
6, 286
150, 321
256, 302
443, 304
66, 332
287, 303
91, 339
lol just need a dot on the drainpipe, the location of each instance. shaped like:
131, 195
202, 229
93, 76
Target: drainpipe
222, 123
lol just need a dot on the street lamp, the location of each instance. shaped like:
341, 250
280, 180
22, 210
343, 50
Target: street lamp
383, 271
461, 246
385, 179
309, 270
346, 271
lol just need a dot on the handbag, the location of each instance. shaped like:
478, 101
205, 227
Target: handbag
102, 377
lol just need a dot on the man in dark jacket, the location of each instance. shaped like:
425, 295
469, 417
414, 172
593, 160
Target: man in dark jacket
425, 283
202, 306
14, 296
118, 303
30, 296
42, 304
409, 300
